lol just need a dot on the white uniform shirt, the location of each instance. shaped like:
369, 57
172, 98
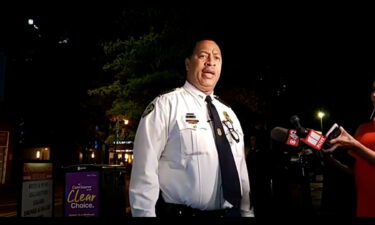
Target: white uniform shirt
175, 151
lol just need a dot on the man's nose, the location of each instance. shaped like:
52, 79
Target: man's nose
210, 61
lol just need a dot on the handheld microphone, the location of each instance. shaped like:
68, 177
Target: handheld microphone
314, 138
288, 137
301, 131
310, 137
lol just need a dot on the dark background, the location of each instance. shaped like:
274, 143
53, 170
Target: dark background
324, 60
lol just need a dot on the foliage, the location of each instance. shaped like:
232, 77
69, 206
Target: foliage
142, 68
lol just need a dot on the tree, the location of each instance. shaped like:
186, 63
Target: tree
142, 67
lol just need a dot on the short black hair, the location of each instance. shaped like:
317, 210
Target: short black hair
204, 37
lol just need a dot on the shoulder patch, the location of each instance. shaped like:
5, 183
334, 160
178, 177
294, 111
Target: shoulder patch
166, 92
220, 100
148, 109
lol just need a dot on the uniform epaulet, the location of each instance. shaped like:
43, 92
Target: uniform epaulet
220, 100
166, 92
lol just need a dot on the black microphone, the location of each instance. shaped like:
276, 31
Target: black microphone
314, 138
301, 131
288, 137
310, 137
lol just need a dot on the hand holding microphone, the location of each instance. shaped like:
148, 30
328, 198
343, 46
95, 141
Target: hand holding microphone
310, 137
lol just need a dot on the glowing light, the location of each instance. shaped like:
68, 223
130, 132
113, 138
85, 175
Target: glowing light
321, 114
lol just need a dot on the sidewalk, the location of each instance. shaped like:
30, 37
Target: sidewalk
8, 201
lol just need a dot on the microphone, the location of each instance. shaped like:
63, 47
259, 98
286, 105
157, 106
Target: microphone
310, 137
288, 137
314, 138
301, 131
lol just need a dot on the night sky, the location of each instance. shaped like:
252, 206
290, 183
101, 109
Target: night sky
326, 61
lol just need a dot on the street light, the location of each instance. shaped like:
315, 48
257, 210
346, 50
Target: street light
321, 114
31, 23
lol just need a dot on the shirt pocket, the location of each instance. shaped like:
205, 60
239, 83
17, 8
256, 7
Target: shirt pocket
192, 141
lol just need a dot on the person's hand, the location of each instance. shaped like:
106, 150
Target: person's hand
344, 140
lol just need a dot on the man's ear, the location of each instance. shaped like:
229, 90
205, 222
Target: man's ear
187, 64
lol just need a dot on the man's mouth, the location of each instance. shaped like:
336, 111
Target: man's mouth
208, 73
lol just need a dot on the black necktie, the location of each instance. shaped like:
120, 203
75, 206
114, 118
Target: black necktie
229, 175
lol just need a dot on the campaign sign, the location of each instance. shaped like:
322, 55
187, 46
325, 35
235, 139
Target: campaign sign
81, 194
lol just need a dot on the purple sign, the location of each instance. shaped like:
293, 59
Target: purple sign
81, 194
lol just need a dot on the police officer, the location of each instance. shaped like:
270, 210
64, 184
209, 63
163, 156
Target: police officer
176, 153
